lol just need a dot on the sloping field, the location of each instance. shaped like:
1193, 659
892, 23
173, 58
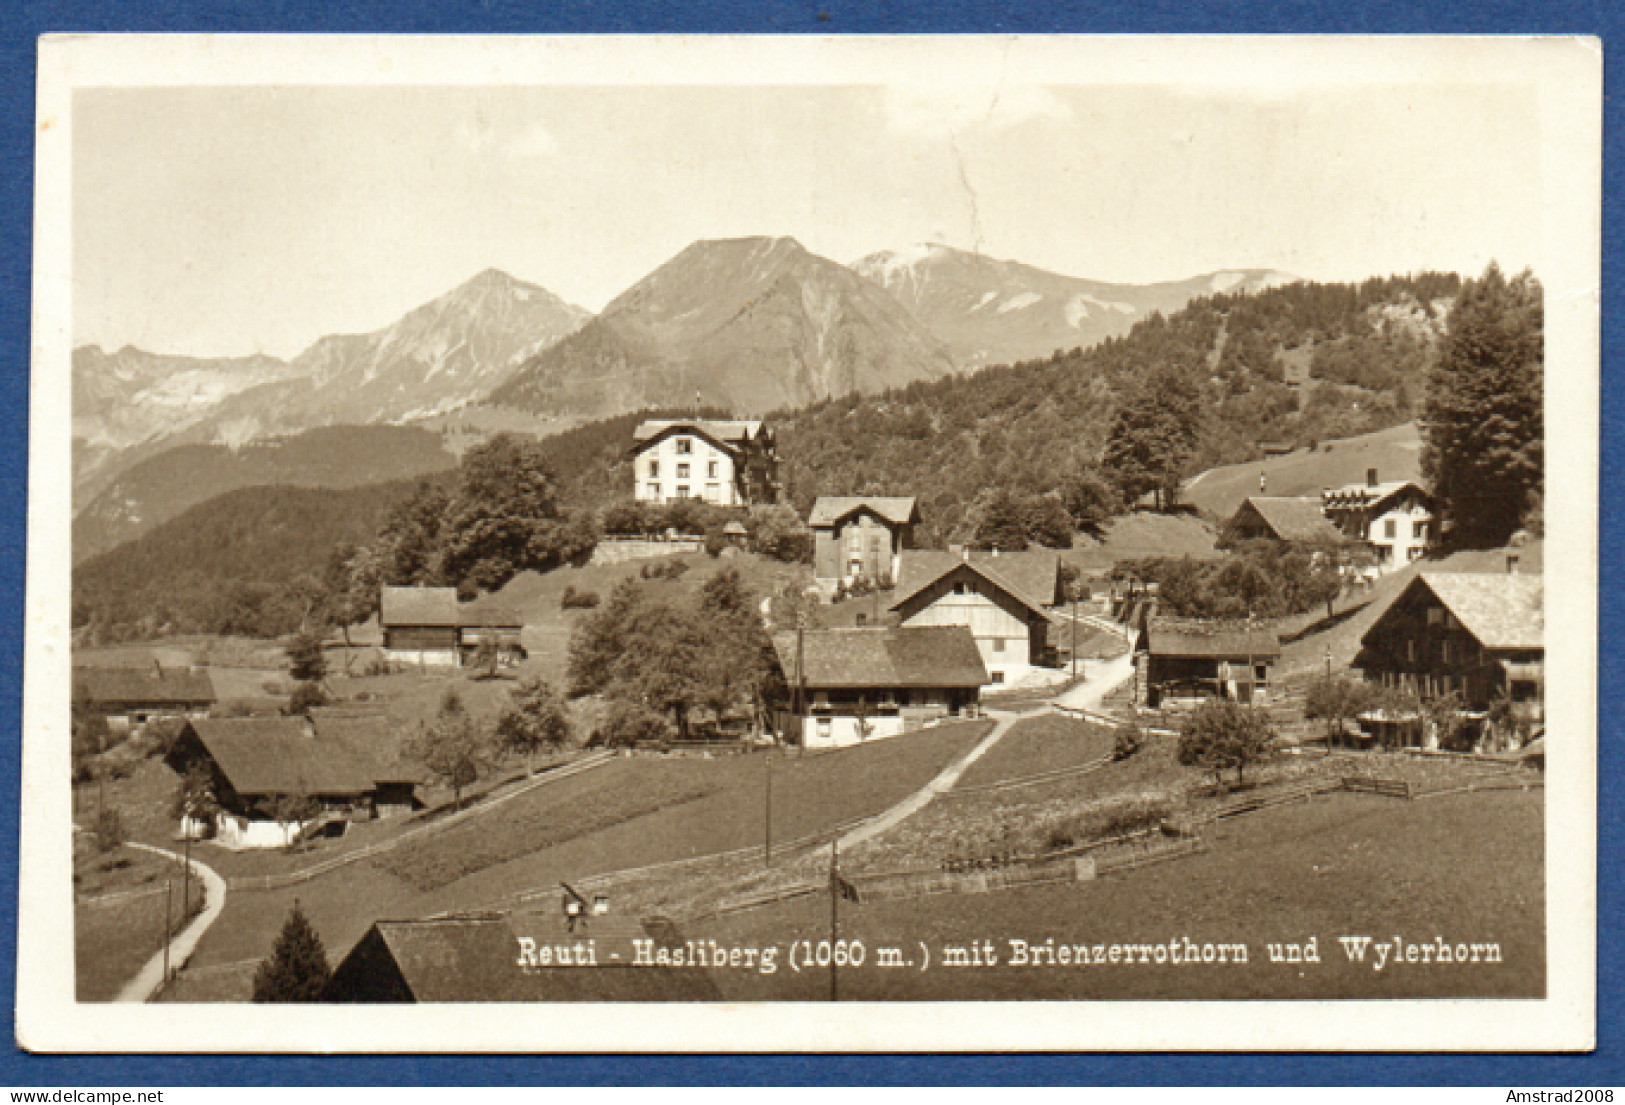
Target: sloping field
1048, 742
1143, 534
1396, 454
1465, 868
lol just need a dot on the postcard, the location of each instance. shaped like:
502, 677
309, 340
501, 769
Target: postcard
694, 544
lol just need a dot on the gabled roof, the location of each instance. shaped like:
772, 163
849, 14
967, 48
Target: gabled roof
1211, 641
1503, 611
487, 612
367, 739
922, 656
110, 686
1289, 519
473, 958
1033, 577
276, 755
1365, 495
435, 606
730, 436
830, 509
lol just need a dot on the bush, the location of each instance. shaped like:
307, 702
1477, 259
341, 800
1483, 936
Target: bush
578, 600
109, 829
715, 542
306, 695
630, 723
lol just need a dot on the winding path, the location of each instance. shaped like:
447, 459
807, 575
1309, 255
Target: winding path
151, 976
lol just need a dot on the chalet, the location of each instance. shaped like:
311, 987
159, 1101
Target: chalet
1291, 521
258, 763
864, 684
1004, 599
130, 697
521, 957
421, 625
727, 463
1395, 519
1480, 635
860, 536
1181, 660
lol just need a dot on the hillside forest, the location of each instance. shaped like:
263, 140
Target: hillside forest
1012, 455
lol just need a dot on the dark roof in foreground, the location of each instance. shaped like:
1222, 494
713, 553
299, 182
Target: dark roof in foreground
1212, 640
1033, 576
418, 606
910, 656
1503, 610
1290, 519
276, 755
171, 685
476, 958
829, 509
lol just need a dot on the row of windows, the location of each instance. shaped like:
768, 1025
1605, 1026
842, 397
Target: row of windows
713, 492
1390, 530
683, 470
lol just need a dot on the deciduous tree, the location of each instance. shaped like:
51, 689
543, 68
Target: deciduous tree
1221, 735
534, 720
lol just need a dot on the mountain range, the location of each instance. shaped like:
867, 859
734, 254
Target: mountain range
1000, 312
748, 324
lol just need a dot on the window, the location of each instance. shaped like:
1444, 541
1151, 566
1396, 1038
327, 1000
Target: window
1415, 553
713, 492
823, 728
682, 474
711, 469
1261, 673
1435, 615
654, 491
685, 446
1419, 531
874, 543
1390, 529
996, 676
1410, 652
1444, 651
682, 492
959, 587
654, 469
998, 644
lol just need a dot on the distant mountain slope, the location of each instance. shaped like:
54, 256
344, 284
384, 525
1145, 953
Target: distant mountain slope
751, 324
225, 565
161, 487
1000, 312
124, 398
1396, 454
449, 352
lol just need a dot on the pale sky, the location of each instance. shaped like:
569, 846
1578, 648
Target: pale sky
227, 221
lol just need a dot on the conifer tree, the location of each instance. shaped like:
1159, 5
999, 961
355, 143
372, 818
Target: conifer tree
1484, 449
297, 969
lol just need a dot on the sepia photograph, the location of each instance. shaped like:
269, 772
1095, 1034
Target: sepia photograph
757, 524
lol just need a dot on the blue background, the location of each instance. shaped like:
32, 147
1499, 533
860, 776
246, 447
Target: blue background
21, 24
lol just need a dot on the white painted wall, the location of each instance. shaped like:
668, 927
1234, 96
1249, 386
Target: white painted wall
658, 472
843, 731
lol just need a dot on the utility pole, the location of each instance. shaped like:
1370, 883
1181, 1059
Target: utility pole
1073, 586
834, 915
169, 888
767, 816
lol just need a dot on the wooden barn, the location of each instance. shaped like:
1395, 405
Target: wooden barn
484, 618
1004, 599
421, 625
1290, 521
863, 684
518, 957
1185, 661
130, 697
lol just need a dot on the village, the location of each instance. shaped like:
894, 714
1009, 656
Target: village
839, 719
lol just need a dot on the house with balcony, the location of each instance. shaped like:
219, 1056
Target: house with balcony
1396, 519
